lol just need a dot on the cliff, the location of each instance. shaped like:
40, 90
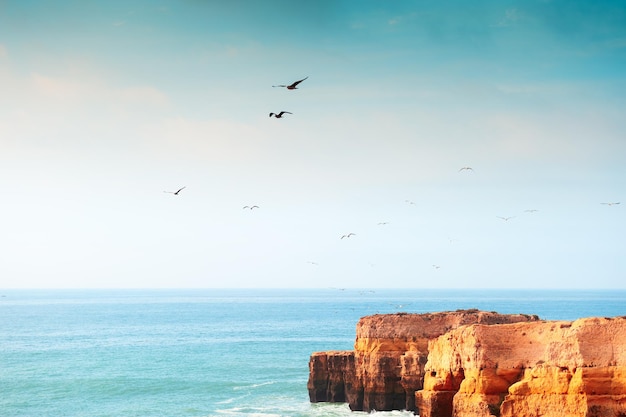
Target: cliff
548, 369
386, 367
328, 376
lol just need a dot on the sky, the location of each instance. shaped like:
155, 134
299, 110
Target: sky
106, 105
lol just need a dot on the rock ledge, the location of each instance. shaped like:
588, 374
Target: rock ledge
471, 363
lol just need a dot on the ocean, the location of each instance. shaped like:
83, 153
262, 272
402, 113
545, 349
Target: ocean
211, 352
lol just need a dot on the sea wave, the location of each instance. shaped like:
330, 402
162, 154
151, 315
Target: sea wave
251, 386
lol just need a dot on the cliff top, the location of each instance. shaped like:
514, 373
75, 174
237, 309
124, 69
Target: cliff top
430, 325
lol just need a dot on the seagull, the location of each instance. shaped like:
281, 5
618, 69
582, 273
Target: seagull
250, 207
436, 266
175, 192
466, 169
506, 219
610, 204
348, 235
383, 223
409, 202
279, 115
293, 86
530, 211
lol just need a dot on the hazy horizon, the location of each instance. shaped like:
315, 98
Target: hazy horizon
108, 107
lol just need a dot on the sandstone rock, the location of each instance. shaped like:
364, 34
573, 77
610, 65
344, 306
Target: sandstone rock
390, 352
548, 369
328, 372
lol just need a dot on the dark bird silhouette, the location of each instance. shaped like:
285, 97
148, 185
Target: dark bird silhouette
506, 219
175, 192
610, 204
466, 169
348, 235
293, 86
279, 115
250, 207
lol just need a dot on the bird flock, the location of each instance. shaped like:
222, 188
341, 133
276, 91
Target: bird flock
282, 113
292, 86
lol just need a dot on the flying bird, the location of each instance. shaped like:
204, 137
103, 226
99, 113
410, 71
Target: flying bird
530, 211
348, 235
293, 86
382, 223
250, 207
610, 204
279, 115
506, 219
466, 169
175, 192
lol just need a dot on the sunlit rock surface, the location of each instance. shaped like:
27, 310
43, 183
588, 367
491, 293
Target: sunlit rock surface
386, 367
547, 368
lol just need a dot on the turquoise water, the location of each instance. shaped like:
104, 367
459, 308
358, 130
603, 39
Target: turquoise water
210, 352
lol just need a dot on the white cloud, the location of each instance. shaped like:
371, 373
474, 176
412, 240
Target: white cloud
43, 112
141, 94
402, 19
511, 17
59, 87
93, 89
219, 142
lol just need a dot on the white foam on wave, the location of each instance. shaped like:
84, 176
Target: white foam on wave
287, 409
226, 401
260, 384
247, 411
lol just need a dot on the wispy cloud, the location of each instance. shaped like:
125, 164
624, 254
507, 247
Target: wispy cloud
59, 87
511, 17
216, 141
72, 89
145, 94
618, 43
400, 19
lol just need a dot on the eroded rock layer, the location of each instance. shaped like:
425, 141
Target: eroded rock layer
548, 369
386, 367
328, 372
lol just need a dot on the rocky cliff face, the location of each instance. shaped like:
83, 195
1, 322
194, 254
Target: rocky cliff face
329, 373
386, 367
547, 369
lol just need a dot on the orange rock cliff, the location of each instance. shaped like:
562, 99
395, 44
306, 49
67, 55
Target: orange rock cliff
471, 363
386, 367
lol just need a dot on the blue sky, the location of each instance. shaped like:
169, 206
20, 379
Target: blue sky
105, 105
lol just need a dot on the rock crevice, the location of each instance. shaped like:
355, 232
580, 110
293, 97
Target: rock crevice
386, 367
471, 363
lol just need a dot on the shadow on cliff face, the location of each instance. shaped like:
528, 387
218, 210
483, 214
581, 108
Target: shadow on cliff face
386, 368
528, 369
